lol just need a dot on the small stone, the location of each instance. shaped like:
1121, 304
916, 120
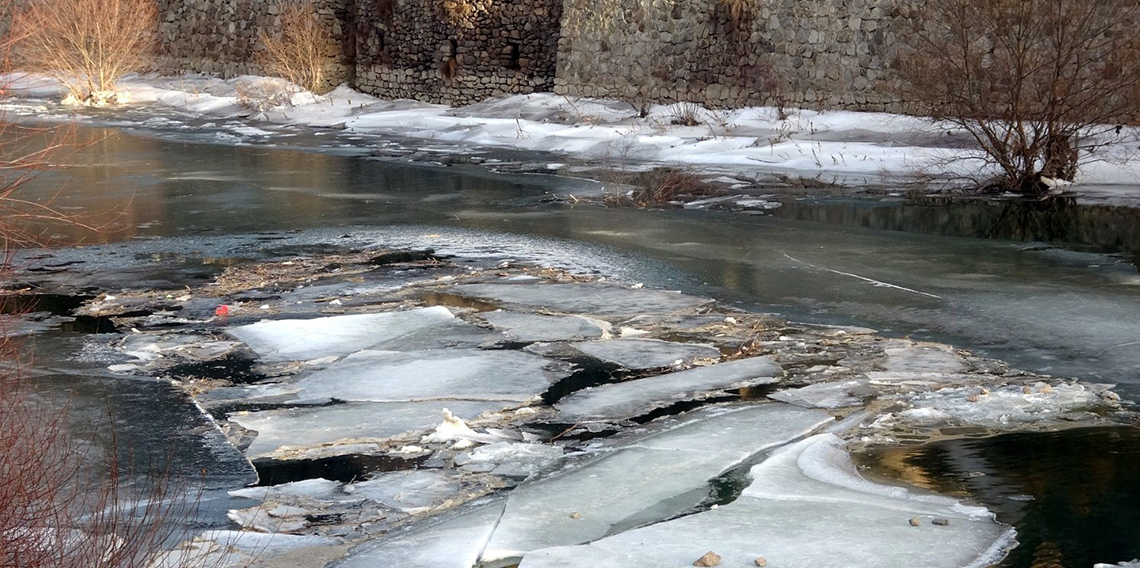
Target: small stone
709, 559
1026, 390
941, 521
575, 515
985, 390
761, 562
1047, 389
973, 398
915, 521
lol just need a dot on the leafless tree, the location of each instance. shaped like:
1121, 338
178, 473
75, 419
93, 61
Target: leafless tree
1038, 84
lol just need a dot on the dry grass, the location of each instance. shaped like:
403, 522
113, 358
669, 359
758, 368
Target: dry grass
88, 45
457, 12
302, 49
662, 187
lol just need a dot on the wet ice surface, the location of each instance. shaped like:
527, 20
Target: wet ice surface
303, 427
299, 340
638, 397
611, 493
464, 374
529, 328
452, 542
603, 300
643, 354
806, 507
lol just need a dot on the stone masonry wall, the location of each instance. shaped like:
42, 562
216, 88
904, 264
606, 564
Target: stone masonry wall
456, 51
222, 37
730, 53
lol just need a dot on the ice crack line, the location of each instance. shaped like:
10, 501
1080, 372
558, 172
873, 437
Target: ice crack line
863, 278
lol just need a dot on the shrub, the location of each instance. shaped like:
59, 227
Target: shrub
88, 45
302, 49
1037, 84
661, 186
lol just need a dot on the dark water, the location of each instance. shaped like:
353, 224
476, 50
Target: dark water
1074, 496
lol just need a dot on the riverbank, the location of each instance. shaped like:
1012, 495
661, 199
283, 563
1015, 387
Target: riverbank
748, 152
559, 388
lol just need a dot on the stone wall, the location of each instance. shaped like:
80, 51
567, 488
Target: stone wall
222, 37
456, 51
731, 53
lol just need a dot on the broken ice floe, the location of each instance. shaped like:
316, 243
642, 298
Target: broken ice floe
509, 459
245, 549
611, 493
639, 397
826, 395
643, 354
440, 374
1002, 407
279, 431
806, 508
530, 328
300, 340
451, 542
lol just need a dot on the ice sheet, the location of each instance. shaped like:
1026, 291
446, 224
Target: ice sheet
301, 427
583, 298
638, 397
454, 542
442, 374
529, 328
302, 340
806, 508
587, 502
823, 395
641, 354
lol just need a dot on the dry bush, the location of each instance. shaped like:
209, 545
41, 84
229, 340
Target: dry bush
88, 45
457, 12
686, 114
662, 186
260, 96
1038, 84
302, 49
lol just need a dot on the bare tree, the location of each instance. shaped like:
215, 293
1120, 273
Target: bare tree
86, 44
1038, 84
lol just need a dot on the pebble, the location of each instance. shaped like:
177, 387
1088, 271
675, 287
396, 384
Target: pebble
709, 559
575, 515
761, 562
941, 522
915, 521
1047, 389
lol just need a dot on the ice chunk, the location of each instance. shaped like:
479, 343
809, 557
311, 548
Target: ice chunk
512, 459
1006, 405
806, 508
453, 542
408, 491
823, 395
924, 358
243, 549
637, 483
467, 374
583, 298
635, 398
1133, 564
640, 354
529, 328
299, 340
310, 426
321, 489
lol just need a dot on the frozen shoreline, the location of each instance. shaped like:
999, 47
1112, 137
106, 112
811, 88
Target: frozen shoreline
844, 147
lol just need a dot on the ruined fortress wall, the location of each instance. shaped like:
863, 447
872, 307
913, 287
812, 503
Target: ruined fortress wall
720, 53
731, 53
456, 51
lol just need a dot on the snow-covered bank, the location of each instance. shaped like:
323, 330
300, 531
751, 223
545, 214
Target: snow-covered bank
848, 147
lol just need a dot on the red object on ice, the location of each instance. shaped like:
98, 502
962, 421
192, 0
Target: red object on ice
222, 311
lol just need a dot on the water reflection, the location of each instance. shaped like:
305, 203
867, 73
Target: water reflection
1074, 496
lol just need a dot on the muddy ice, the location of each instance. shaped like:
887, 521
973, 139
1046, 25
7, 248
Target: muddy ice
559, 420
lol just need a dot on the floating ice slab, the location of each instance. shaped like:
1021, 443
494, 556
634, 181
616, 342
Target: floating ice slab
301, 427
640, 354
511, 459
1006, 405
529, 328
823, 395
806, 508
635, 398
320, 489
454, 542
240, 549
585, 298
924, 358
465, 374
652, 479
408, 491
301, 340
